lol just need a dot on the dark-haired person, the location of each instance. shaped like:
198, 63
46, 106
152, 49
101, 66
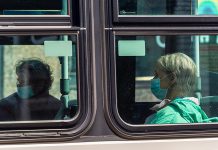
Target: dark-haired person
32, 100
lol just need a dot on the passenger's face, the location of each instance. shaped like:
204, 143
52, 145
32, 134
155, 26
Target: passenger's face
23, 79
165, 82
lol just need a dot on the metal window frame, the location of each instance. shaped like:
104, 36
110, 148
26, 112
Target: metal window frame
56, 130
53, 130
38, 20
131, 131
22, 20
160, 19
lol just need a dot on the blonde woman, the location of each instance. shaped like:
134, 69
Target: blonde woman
174, 83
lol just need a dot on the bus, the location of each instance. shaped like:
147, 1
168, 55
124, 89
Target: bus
75, 74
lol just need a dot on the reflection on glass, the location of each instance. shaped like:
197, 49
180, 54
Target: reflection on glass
168, 7
33, 7
182, 81
30, 80
207, 7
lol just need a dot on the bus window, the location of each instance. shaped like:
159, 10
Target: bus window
33, 7
136, 58
33, 86
168, 7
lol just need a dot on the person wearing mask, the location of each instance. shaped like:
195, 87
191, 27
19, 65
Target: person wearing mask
174, 83
32, 100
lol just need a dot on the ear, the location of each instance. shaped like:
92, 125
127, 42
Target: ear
172, 78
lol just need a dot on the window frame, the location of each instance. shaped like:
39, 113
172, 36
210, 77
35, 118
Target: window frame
38, 20
56, 129
73, 23
133, 131
162, 19
22, 20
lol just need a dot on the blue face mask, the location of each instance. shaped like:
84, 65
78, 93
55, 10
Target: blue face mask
157, 90
25, 92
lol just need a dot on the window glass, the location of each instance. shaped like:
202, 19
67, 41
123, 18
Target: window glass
33, 7
31, 71
168, 7
136, 66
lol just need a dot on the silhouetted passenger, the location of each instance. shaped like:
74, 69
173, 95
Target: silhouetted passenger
32, 100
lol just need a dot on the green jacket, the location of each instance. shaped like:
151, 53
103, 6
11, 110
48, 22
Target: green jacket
180, 110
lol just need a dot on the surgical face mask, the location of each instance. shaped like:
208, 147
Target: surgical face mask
25, 92
157, 90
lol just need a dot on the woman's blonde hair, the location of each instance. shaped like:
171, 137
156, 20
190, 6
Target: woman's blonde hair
184, 70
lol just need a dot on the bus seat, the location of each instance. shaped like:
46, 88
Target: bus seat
210, 105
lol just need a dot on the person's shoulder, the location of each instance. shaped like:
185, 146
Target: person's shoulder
186, 100
11, 99
166, 110
186, 103
53, 100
